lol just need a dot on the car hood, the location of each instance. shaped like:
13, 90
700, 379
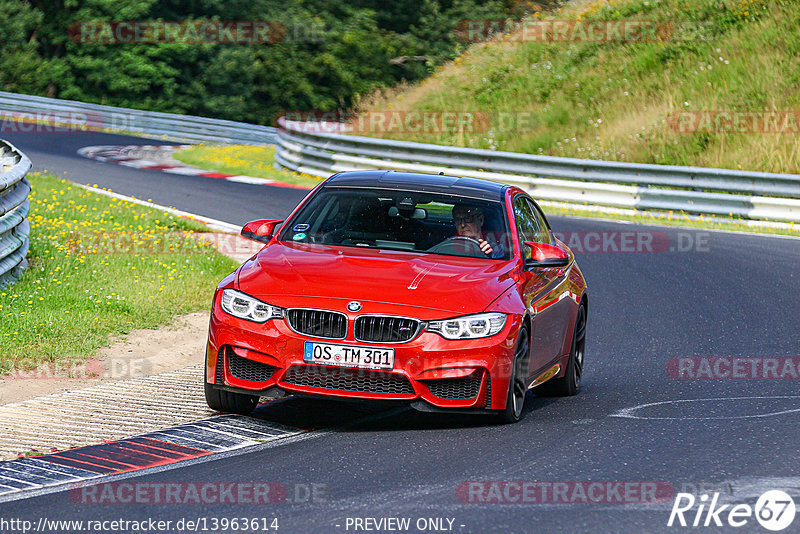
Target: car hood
289, 274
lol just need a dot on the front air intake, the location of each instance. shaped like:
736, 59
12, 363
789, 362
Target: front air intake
250, 370
347, 379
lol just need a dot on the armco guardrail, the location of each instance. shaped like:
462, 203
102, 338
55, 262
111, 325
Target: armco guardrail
309, 148
14, 206
72, 114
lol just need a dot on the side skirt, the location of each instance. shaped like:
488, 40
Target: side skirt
547, 375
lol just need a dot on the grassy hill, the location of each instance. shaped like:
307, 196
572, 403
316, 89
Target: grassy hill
621, 100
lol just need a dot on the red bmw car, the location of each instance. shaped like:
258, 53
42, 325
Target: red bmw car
445, 293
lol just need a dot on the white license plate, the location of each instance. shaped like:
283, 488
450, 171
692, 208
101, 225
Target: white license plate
348, 355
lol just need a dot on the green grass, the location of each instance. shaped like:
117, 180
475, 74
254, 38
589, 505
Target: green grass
674, 219
99, 266
613, 100
242, 159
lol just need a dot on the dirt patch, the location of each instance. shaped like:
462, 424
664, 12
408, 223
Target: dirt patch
143, 352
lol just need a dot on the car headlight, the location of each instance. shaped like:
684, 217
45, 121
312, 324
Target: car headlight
244, 306
469, 326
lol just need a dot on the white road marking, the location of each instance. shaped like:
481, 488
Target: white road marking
188, 171
249, 180
138, 163
630, 413
214, 224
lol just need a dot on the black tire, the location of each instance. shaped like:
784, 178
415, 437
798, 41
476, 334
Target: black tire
570, 383
515, 398
228, 401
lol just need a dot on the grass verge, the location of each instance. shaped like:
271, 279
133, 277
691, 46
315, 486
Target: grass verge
645, 101
246, 160
99, 266
679, 219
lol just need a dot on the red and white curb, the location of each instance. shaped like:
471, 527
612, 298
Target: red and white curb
159, 158
273, 423
155, 449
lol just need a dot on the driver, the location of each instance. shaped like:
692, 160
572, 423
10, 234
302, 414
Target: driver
469, 223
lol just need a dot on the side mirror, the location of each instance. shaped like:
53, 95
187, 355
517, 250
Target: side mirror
260, 230
544, 255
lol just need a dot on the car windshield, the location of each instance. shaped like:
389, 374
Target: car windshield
402, 220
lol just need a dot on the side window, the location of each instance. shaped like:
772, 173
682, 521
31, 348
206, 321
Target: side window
542, 222
527, 226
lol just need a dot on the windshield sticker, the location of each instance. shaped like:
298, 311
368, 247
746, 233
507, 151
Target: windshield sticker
300, 236
302, 227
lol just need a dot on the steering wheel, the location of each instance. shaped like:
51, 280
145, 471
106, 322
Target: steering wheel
459, 245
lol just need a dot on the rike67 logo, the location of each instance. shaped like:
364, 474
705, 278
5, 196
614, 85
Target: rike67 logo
774, 511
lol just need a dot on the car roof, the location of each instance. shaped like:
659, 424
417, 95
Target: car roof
416, 181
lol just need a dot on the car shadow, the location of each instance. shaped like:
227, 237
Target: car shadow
312, 414
411, 419
348, 416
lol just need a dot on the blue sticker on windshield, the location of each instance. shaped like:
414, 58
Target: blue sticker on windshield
302, 227
298, 237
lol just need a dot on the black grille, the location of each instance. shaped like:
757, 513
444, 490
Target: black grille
456, 388
318, 323
488, 391
383, 329
219, 375
345, 379
245, 369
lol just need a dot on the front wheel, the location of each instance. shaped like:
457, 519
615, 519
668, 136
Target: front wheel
515, 399
570, 383
228, 401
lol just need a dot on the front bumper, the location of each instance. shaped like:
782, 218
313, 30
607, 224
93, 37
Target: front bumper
429, 371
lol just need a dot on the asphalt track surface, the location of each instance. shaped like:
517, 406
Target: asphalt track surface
728, 296
57, 152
